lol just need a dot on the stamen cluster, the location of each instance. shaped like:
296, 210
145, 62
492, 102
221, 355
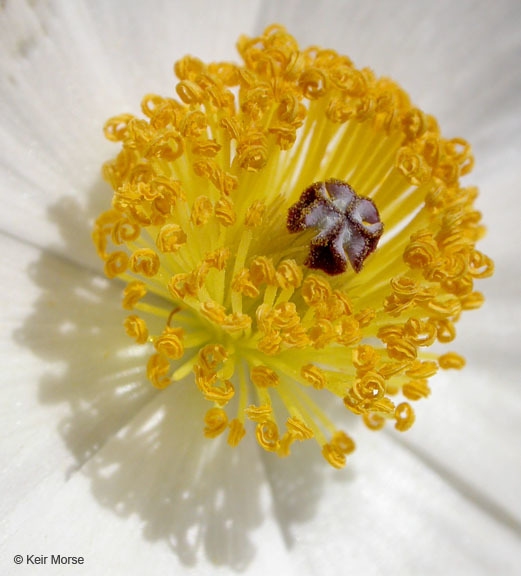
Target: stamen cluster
222, 293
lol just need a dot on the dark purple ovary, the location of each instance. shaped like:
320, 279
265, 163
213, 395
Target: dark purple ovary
348, 226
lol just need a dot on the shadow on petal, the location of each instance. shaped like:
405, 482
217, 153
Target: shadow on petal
142, 449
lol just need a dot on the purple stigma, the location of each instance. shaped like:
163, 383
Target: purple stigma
348, 226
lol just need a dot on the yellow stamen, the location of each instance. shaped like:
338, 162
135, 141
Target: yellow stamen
136, 327
203, 185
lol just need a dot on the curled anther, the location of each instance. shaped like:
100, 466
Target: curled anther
267, 435
157, 369
264, 377
404, 415
215, 422
170, 343
237, 432
136, 328
116, 263
348, 225
133, 293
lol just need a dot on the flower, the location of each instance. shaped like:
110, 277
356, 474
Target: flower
96, 463
208, 215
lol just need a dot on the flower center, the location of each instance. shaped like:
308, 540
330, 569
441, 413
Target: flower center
239, 280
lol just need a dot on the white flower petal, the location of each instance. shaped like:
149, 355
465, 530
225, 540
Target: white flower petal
54, 360
387, 513
444, 500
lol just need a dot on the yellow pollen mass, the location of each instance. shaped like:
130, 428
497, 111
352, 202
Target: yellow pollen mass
220, 290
